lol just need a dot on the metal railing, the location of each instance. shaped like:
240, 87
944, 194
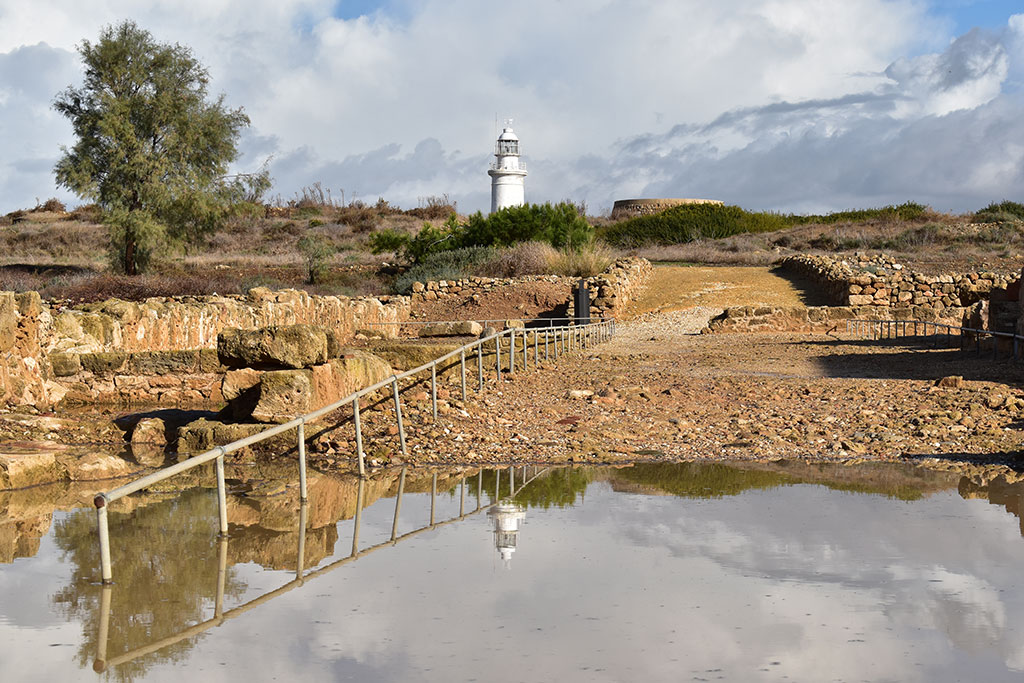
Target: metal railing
556, 341
895, 329
528, 474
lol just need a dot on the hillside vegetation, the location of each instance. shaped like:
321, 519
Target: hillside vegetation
314, 242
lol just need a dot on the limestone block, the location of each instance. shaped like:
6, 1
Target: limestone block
861, 299
283, 346
65, 364
103, 363
284, 394
27, 464
202, 435
452, 329
237, 382
92, 466
150, 430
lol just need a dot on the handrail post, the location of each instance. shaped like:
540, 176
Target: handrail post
462, 369
480, 366
359, 517
300, 562
103, 528
536, 348
222, 500
433, 390
462, 496
100, 665
359, 437
526, 351
512, 350
546, 354
398, 503
497, 356
398, 415
479, 487
302, 461
222, 576
512, 480
433, 496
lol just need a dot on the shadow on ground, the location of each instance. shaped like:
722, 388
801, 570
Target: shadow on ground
810, 292
916, 358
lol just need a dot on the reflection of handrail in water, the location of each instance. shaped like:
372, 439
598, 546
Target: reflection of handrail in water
220, 616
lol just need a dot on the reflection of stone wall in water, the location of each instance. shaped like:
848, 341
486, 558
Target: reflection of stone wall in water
998, 491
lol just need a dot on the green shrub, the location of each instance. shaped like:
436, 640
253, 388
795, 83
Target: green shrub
560, 225
451, 264
317, 251
1003, 212
691, 222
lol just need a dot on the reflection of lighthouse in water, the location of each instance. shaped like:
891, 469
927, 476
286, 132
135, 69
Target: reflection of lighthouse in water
506, 517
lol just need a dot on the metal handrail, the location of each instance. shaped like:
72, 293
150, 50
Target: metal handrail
565, 339
892, 328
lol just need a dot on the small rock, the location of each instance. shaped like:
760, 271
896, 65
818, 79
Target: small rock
951, 382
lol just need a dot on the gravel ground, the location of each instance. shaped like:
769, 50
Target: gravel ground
662, 391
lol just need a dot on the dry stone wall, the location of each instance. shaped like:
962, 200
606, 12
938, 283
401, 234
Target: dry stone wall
881, 281
610, 292
468, 288
814, 319
985, 299
155, 350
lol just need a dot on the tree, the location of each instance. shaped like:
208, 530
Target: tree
151, 150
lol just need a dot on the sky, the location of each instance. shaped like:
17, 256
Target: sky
786, 105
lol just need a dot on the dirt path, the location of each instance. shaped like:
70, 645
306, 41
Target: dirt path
675, 288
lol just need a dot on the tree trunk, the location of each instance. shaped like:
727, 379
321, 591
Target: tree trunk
129, 254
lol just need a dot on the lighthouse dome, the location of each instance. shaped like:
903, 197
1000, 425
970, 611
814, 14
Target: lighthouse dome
508, 134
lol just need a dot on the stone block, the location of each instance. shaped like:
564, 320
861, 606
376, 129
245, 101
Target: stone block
65, 364
28, 464
163, 362
285, 346
861, 299
284, 394
105, 363
452, 329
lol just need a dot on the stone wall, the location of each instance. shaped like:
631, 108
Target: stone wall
628, 208
129, 351
610, 291
817, 319
468, 288
882, 282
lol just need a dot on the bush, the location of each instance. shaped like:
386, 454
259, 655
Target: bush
691, 222
560, 225
1003, 212
317, 251
526, 258
452, 264
587, 261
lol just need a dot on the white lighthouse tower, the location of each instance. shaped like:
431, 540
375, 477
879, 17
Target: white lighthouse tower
508, 175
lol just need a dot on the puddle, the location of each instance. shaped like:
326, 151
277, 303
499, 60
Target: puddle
759, 571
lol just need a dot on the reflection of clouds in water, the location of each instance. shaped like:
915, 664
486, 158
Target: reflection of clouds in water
798, 581
857, 549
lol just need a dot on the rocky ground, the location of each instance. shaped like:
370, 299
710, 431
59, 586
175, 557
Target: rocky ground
662, 391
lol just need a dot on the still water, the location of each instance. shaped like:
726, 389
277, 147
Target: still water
750, 572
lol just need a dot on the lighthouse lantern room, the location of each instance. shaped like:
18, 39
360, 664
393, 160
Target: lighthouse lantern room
508, 175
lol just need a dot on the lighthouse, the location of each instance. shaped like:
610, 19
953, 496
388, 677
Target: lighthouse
508, 175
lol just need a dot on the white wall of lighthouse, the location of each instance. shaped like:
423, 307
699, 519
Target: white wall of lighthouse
508, 174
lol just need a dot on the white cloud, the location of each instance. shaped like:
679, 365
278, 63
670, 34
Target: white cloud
612, 98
